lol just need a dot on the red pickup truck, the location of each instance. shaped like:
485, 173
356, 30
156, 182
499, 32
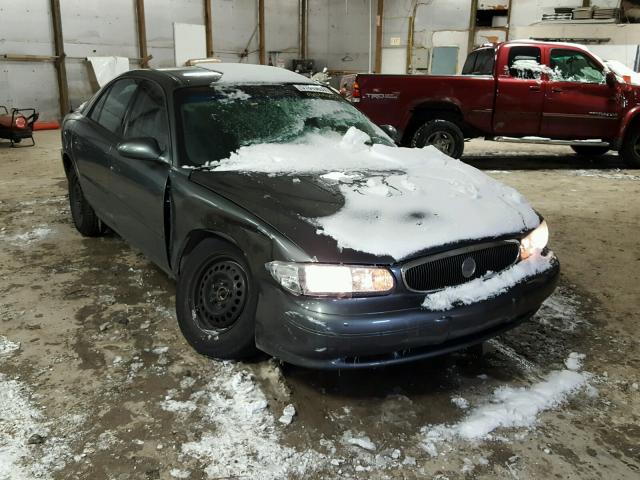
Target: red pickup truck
521, 91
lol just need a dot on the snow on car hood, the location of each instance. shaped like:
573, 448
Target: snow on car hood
398, 201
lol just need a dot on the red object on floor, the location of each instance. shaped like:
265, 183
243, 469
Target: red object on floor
51, 125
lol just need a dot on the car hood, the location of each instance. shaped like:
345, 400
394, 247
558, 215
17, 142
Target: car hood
343, 201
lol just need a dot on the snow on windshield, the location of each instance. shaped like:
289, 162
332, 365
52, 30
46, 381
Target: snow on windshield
221, 119
397, 201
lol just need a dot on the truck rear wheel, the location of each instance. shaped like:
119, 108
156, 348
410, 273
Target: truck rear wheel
630, 150
446, 136
587, 151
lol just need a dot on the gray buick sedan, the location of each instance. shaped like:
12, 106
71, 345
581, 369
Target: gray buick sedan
294, 225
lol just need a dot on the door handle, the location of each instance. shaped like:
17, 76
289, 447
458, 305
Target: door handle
556, 90
534, 88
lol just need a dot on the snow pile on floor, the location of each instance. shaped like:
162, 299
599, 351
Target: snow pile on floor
361, 441
561, 311
487, 286
511, 407
397, 201
7, 346
27, 238
245, 441
20, 424
614, 174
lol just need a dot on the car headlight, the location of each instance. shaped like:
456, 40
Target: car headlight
325, 280
535, 242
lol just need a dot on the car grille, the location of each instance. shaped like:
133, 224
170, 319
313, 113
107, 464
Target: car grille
446, 269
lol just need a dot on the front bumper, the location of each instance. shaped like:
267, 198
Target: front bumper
369, 332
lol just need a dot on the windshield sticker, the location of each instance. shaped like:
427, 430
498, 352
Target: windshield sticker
313, 89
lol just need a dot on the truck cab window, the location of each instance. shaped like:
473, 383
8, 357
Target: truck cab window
574, 66
525, 63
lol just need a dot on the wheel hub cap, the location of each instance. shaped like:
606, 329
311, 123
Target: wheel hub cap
442, 141
220, 294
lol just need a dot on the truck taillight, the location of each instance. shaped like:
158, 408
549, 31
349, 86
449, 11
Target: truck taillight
355, 92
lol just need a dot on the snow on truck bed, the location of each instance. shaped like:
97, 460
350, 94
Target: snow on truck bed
398, 201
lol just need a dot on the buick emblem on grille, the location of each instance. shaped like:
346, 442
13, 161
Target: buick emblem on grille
468, 267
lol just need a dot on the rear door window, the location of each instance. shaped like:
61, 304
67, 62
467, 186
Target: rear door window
110, 109
148, 115
480, 62
485, 62
469, 64
525, 63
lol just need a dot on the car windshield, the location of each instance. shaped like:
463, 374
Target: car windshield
219, 119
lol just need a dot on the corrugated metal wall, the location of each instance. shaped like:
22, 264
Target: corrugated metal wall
338, 38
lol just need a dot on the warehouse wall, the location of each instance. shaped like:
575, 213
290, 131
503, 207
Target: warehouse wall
438, 23
27, 84
91, 28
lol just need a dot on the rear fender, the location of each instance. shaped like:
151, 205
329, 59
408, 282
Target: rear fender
423, 107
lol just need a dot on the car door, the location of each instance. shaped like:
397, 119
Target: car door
138, 186
93, 139
519, 92
578, 102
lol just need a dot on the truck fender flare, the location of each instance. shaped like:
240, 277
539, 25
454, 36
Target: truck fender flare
627, 120
425, 105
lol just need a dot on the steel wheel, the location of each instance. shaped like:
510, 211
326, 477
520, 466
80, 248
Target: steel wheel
220, 294
630, 150
444, 135
443, 141
75, 200
84, 217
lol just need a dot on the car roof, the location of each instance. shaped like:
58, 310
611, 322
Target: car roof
223, 73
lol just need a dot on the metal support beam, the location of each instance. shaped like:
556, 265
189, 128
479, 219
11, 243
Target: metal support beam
208, 25
59, 61
472, 25
142, 34
304, 11
379, 20
261, 44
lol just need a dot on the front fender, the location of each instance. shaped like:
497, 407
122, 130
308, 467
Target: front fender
201, 212
628, 118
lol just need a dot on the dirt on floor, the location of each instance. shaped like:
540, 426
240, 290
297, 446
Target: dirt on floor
97, 382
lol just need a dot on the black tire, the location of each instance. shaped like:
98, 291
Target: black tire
83, 215
587, 151
216, 301
446, 136
630, 150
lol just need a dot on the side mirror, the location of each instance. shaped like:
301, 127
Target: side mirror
611, 79
391, 131
145, 148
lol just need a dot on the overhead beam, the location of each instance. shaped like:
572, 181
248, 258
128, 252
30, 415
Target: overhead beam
379, 22
59, 62
261, 44
208, 27
142, 34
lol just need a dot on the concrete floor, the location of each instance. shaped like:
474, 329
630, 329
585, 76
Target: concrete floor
92, 361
